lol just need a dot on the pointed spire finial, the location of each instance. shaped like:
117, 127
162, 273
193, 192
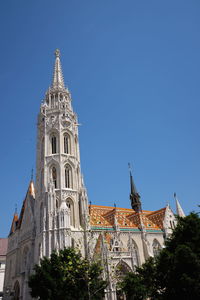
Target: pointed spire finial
179, 209
57, 53
134, 196
58, 81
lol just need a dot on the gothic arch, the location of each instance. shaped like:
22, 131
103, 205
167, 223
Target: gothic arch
121, 269
156, 247
68, 176
70, 205
53, 142
135, 252
115, 244
69, 162
53, 172
67, 143
16, 290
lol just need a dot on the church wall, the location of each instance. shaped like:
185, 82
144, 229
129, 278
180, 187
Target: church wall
56, 215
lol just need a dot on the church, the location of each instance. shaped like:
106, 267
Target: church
56, 213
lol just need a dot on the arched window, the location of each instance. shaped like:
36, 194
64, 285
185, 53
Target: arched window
70, 206
16, 291
68, 177
156, 247
54, 177
135, 253
67, 145
121, 270
116, 247
53, 144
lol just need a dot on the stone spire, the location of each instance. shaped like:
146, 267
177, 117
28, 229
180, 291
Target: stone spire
58, 81
134, 196
179, 210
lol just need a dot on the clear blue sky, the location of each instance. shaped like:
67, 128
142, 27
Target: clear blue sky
133, 68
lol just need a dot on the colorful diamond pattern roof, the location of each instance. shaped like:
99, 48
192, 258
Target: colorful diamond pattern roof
107, 217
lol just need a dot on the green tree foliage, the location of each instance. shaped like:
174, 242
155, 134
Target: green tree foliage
67, 276
175, 272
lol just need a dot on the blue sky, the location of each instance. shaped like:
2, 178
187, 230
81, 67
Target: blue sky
133, 68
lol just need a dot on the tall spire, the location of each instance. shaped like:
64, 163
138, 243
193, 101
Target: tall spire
179, 209
58, 81
134, 196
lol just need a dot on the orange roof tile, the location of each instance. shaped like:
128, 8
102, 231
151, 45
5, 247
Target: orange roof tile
107, 216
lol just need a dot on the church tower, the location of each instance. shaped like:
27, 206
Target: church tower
61, 199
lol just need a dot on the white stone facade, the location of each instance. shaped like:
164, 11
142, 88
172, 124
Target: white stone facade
55, 213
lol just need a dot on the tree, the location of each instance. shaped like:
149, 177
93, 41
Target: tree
140, 284
175, 272
67, 276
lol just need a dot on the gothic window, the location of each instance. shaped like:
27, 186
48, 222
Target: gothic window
53, 144
135, 253
70, 206
54, 177
67, 144
156, 247
16, 291
121, 270
68, 177
57, 203
116, 246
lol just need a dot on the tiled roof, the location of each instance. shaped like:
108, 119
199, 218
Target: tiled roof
3, 246
109, 217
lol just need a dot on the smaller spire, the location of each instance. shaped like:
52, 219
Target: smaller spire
134, 196
179, 209
31, 189
58, 81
